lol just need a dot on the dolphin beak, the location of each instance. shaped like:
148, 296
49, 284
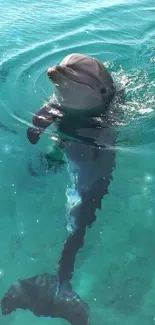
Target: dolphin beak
56, 73
53, 71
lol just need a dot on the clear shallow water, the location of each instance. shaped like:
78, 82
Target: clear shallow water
121, 289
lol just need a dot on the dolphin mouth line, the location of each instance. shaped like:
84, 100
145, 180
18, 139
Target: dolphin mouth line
62, 73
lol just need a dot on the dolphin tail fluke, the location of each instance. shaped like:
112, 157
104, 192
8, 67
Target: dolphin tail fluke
45, 297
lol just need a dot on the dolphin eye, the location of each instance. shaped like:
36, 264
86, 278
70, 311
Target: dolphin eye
103, 90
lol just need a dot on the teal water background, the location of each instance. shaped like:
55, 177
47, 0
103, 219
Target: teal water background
115, 272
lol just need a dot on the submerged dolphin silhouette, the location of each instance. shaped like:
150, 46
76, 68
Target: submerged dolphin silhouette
79, 109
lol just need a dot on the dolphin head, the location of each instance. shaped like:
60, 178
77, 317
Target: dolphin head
82, 85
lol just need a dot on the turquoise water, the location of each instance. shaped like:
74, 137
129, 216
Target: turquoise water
33, 36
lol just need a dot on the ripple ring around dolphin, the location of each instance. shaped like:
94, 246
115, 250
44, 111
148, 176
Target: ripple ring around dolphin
25, 71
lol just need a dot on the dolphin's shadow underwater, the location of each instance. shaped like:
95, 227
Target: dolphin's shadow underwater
90, 151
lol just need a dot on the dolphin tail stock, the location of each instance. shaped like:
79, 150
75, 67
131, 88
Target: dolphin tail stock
44, 296
74, 241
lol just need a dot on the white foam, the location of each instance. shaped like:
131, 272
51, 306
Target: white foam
73, 197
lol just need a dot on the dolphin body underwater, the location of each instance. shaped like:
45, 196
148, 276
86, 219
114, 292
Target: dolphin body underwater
79, 108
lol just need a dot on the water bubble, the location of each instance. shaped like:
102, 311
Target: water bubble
150, 212
1, 272
145, 190
7, 148
148, 178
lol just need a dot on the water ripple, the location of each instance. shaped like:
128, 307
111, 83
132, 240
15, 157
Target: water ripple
36, 34
23, 71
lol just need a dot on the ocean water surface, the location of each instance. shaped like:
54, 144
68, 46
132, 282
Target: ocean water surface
33, 36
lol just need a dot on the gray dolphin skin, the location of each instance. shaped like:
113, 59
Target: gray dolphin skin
83, 91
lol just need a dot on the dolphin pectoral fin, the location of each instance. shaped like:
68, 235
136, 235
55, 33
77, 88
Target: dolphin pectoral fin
52, 161
33, 135
53, 164
55, 159
43, 296
41, 120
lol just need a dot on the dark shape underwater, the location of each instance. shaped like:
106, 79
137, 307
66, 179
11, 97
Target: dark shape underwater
52, 296
43, 296
90, 151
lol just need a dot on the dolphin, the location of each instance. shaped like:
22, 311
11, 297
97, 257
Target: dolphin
79, 108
